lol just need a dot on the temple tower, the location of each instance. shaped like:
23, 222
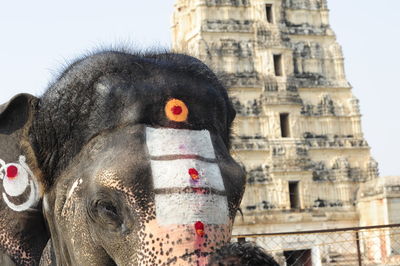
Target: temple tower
298, 127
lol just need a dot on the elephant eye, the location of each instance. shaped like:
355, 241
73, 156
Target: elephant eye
105, 213
108, 209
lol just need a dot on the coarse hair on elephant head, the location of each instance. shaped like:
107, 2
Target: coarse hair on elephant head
124, 160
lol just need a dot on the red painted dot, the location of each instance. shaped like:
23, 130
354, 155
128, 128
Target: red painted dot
176, 110
194, 174
199, 227
12, 171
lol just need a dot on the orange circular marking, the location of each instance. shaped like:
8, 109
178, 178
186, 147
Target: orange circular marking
176, 110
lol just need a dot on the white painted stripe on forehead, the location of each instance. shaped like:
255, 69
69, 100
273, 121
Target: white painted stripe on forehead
169, 141
188, 208
175, 173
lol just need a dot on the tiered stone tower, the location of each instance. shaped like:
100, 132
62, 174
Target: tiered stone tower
298, 128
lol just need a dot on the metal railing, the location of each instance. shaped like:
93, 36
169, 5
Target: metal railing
370, 245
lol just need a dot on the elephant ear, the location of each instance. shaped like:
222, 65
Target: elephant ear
23, 233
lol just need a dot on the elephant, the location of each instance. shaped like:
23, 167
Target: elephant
124, 160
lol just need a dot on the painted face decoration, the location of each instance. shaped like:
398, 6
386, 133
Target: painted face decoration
187, 180
176, 110
17, 177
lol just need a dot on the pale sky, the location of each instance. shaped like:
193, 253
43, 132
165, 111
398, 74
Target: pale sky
38, 37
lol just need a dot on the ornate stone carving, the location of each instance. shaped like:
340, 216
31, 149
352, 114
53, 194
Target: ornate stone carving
256, 142
242, 79
306, 4
341, 163
230, 47
335, 141
278, 150
249, 145
372, 169
291, 164
340, 170
251, 108
227, 3
326, 107
321, 203
355, 105
263, 205
290, 157
258, 175
230, 25
268, 37
320, 172
307, 50
282, 97
271, 84
307, 29
310, 62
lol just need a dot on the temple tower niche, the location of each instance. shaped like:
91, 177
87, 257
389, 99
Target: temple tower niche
298, 127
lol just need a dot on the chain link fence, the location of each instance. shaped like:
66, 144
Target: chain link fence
372, 245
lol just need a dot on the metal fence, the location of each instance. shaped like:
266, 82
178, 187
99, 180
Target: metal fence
372, 245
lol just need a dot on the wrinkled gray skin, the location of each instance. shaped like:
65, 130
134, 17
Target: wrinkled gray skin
84, 140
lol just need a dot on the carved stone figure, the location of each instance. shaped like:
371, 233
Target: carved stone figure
123, 161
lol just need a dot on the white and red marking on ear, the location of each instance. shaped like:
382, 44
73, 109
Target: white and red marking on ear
17, 177
16, 180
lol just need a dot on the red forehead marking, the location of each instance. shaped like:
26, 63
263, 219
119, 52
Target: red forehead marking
199, 227
12, 171
194, 174
176, 110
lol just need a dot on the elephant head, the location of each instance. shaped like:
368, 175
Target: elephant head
123, 161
